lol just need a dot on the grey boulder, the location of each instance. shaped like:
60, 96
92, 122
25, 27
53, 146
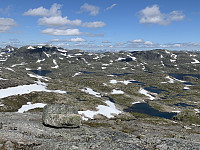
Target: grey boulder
61, 115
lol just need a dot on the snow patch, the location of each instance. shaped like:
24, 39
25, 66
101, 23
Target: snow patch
23, 63
55, 63
197, 110
40, 60
48, 55
10, 69
30, 106
76, 74
26, 89
30, 47
195, 61
115, 91
145, 92
3, 79
126, 82
90, 91
138, 102
107, 111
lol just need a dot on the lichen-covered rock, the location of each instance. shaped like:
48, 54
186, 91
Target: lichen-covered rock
61, 115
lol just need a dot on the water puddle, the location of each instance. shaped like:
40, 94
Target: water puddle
154, 89
121, 74
181, 75
41, 72
184, 105
144, 108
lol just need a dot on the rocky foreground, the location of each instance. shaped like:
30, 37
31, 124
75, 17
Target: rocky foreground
26, 131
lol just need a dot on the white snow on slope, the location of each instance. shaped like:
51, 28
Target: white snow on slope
133, 58
26, 89
23, 63
10, 69
145, 92
115, 91
126, 82
90, 91
38, 77
55, 63
76, 74
195, 61
3, 79
197, 110
30, 47
186, 88
30, 106
107, 111
48, 55
170, 79
138, 102
40, 60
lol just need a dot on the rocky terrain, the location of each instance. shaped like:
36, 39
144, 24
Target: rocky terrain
127, 100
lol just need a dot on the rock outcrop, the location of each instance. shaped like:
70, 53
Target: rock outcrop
61, 115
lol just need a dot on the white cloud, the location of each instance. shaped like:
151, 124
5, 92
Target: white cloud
77, 39
41, 11
93, 10
113, 5
52, 31
97, 24
55, 21
6, 24
176, 16
136, 41
148, 42
152, 15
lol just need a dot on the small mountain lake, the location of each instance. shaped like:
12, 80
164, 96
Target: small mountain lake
181, 75
144, 108
41, 72
184, 105
121, 74
154, 89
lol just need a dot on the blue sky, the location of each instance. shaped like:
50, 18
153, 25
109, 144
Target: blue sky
101, 24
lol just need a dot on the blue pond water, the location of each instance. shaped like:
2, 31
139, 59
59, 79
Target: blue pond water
87, 72
148, 110
78, 99
121, 74
41, 72
181, 75
184, 105
154, 89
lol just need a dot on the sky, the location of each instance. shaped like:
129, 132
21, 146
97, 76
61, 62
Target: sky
111, 25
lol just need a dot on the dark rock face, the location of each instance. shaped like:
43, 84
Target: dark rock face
60, 115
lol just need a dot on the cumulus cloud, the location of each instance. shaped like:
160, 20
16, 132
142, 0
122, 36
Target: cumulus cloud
52, 31
112, 6
55, 21
152, 15
97, 24
93, 10
77, 39
41, 11
6, 24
